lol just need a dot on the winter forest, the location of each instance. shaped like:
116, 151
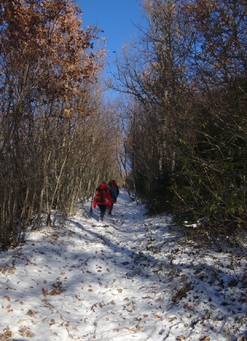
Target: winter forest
175, 132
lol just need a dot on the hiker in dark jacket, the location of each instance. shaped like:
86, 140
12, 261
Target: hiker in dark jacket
113, 194
114, 185
103, 199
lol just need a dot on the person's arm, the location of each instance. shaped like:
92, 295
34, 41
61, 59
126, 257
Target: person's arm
94, 202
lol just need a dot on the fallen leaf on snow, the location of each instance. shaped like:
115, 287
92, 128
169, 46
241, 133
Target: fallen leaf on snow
6, 297
52, 322
26, 332
7, 333
204, 338
31, 313
130, 329
94, 306
170, 319
54, 292
133, 330
44, 291
159, 299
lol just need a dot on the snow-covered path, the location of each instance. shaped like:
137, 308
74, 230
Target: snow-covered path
131, 277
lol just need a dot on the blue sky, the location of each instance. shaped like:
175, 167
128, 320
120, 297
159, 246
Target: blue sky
115, 18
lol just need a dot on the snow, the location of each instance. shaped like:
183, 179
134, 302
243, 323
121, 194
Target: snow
130, 277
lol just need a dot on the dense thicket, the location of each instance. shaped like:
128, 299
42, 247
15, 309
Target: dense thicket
187, 130
52, 115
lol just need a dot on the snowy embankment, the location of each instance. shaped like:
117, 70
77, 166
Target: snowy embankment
131, 277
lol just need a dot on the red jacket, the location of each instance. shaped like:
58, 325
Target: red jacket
107, 200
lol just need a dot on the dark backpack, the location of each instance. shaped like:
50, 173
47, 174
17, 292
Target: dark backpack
113, 185
112, 192
100, 195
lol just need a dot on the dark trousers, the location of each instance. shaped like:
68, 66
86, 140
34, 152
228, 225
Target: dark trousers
102, 210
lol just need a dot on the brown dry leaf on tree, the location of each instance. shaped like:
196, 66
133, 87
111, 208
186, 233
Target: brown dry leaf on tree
67, 59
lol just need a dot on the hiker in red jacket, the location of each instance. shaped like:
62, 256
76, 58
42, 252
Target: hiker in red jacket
103, 199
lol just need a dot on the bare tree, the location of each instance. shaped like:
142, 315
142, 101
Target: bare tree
154, 71
47, 66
